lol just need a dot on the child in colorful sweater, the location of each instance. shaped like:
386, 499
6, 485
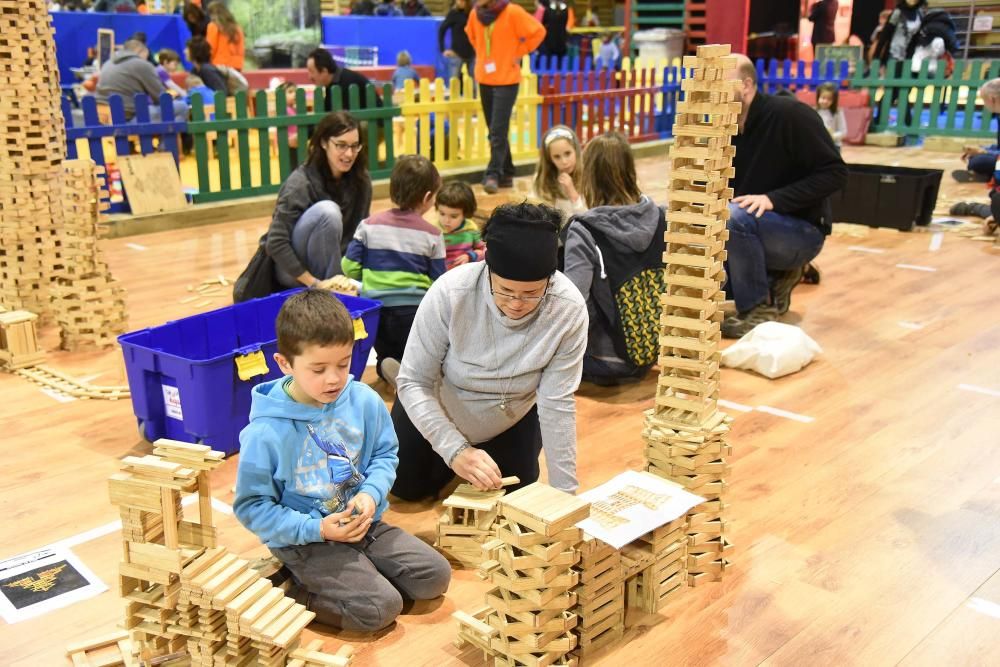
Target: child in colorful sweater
396, 255
456, 203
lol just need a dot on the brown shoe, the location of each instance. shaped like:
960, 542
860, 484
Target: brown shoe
740, 325
781, 292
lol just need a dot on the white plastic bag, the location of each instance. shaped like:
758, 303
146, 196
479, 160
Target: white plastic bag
772, 349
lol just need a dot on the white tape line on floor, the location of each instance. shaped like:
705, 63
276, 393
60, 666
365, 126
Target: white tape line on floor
861, 248
777, 412
937, 238
916, 267
984, 607
739, 407
980, 390
136, 246
916, 326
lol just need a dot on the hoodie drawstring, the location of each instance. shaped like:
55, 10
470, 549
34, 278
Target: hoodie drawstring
600, 260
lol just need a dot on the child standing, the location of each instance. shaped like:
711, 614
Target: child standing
557, 180
456, 203
316, 464
396, 255
827, 97
404, 70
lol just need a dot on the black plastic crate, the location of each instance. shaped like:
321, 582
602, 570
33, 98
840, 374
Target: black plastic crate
883, 196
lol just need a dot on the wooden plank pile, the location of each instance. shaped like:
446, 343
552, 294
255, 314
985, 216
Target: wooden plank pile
184, 595
468, 522
31, 154
19, 340
655, 566
529, 617
600, 596
89, 302
685, 433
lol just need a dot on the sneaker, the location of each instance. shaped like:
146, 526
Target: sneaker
966, 176
811, 274
506, 182
781, 291
970, 208
390, 371
740, 325
491, 185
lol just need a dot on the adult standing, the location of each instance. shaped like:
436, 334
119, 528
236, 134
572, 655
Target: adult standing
196, 19
460, 51
501, 34
558, 20
823, 16
225, 37
414, 8
491, 367
786, 169
320, 204
324, 71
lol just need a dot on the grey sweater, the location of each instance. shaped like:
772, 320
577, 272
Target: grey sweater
453, 375
127, 74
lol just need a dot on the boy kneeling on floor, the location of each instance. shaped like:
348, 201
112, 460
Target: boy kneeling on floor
316, 464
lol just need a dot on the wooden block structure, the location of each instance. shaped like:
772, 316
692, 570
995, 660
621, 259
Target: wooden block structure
685, 433
183, 593
89, 302
600, 595
655, 566
31, 154
529, 618
19, 340
469, 521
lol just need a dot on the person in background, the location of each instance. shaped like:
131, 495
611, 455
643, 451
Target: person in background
170, 62
557, 177
388, 8
196, 19
883, 18
114, 6
225, 37
460, 51
200, 55
990, 92
827, 98
823, 15
981, 160
456, 204
415, 8
363, 8
324, 71
501, 33
320, 204
404, 70
129, 73
558, 20
609, 53
140, 7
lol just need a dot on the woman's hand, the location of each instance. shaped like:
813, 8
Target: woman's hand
478, 468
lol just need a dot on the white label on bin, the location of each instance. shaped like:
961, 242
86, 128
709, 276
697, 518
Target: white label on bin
172, 402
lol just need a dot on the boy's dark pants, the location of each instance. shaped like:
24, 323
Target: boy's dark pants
394, 324
361, 586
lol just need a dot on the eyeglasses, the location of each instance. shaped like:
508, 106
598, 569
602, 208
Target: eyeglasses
507, 298
342, 147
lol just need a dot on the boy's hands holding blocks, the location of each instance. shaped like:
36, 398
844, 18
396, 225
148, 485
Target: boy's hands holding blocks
353, 523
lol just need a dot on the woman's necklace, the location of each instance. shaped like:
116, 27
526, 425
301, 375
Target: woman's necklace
505, 392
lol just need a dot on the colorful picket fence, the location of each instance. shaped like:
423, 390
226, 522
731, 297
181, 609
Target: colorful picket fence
604, 101
925, 103
109, 122
444, 122
793, 75
228, 125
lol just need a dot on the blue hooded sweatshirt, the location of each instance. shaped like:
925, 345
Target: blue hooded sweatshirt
283, 483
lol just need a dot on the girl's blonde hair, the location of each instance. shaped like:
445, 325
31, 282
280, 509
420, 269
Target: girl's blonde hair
403, 58
607, 175
547, 175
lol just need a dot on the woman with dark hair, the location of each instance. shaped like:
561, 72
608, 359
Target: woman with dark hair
200, 55
225, 37
196, 19
320, 204
491, 365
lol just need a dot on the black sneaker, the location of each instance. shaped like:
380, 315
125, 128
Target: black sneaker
506, 182
491, 185
966, 176
781, 291
811, 274
740, 325
970, 208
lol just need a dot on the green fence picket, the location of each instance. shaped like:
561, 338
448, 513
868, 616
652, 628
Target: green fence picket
243, 141
263, 137
222, 141
303, 132
201, 156
281, 131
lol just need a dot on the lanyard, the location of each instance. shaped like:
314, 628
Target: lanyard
489, 38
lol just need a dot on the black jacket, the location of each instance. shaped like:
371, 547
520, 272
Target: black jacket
211, 76
343, 79
455, 22
786, 153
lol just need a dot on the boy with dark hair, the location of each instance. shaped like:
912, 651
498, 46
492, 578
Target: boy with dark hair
396, 255
456, 204
316, 464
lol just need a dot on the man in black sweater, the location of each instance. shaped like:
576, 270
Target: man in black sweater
324, 71
787, 166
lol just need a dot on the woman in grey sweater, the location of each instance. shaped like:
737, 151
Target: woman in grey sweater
492, 364
320, 204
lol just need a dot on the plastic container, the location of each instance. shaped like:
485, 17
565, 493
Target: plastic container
659, 44
185, 375
883, 196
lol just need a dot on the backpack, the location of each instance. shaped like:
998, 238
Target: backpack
235, 81
636, 283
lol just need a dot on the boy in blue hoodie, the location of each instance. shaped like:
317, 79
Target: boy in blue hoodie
316, 464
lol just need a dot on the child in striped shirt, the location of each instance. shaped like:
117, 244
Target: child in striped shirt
456, 203
396, 255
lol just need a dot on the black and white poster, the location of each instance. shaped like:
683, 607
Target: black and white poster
35, 583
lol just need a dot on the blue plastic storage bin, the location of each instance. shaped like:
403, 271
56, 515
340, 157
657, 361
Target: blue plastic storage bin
183, 375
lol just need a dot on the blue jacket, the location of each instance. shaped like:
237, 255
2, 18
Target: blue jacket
283, 483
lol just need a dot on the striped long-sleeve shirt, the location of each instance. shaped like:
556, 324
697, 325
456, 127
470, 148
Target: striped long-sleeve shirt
396, 255
466, 240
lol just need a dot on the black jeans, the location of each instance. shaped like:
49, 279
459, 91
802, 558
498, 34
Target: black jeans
498, 104
422, 473
394, 324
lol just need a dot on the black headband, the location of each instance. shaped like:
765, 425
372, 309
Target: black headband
521, 250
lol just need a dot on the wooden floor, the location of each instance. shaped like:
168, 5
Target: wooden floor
866, 535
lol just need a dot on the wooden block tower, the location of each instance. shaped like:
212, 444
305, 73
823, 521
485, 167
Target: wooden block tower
600, 596
528, 618
89, 302
685, 433
19, 340
31, 155
184, 595
468, 522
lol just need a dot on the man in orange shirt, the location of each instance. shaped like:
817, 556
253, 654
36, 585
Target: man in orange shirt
502, 34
